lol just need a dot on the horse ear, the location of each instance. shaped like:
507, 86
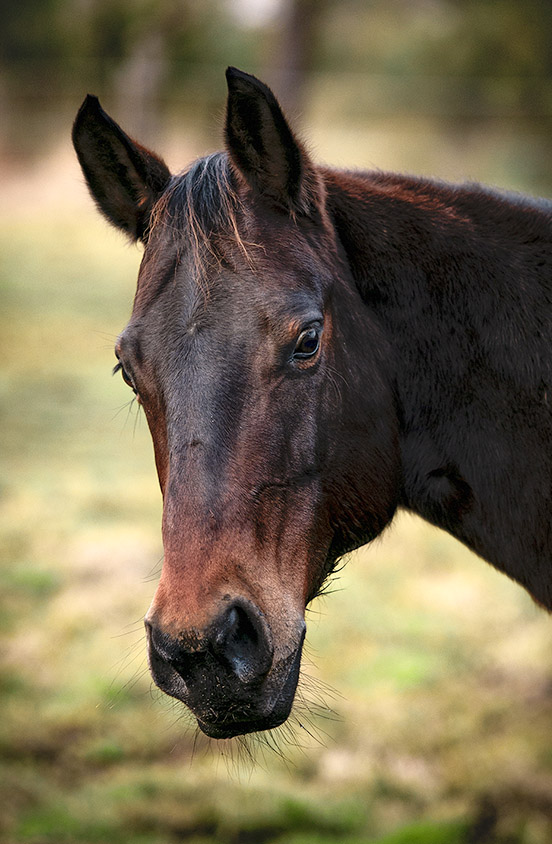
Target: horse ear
263, 148
124, 178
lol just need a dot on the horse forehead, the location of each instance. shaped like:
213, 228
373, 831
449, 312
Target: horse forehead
174, 291
181, 288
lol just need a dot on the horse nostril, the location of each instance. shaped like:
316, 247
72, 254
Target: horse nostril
237, 645
241, 639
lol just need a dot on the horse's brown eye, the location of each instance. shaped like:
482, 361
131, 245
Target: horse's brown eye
307, 344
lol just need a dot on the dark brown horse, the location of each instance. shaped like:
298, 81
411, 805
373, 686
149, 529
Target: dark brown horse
313, 349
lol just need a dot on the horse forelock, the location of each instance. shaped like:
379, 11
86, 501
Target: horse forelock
205, 219
202, 214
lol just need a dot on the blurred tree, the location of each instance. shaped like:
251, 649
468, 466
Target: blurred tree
459, 61
295, 54
62, 41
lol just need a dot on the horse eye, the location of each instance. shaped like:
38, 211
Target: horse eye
125, 376
307, 344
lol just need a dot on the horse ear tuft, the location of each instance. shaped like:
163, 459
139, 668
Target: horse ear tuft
263, 148
124, 178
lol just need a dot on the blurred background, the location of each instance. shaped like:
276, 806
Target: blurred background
426, 706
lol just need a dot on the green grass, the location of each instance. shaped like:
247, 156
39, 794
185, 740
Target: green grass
441, 666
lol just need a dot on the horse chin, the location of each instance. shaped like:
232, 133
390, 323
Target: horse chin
241, 728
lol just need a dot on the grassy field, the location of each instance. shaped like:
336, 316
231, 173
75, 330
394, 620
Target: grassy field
429, 674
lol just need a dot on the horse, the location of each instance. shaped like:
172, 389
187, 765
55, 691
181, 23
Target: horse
314, 349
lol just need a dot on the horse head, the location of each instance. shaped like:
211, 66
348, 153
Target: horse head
267, 387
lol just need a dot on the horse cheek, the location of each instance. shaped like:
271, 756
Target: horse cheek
158, 431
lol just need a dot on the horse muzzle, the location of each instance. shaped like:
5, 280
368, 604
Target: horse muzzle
230, 675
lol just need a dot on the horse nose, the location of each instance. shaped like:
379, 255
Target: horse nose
242, 641
237, 644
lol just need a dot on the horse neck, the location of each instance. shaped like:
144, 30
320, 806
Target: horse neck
459, 280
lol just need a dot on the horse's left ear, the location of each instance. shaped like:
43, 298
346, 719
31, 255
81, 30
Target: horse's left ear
263, 148
124, 178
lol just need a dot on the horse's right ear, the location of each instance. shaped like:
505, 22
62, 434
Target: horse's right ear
124, 178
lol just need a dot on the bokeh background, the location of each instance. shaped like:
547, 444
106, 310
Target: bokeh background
426, 708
